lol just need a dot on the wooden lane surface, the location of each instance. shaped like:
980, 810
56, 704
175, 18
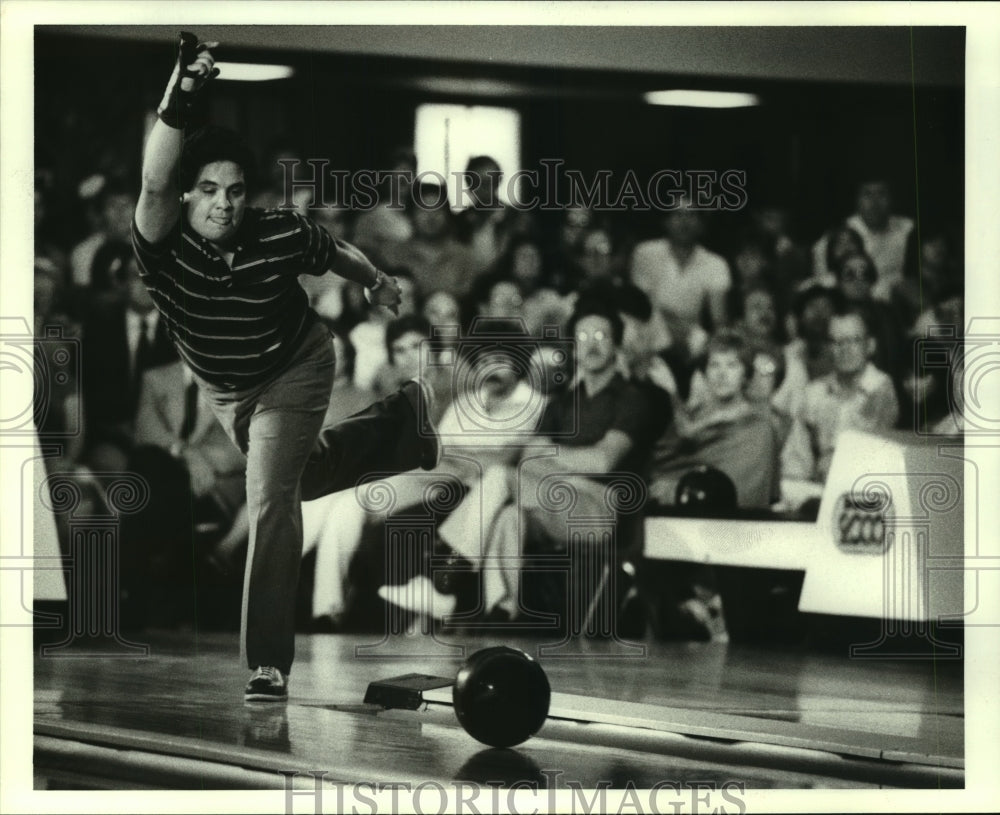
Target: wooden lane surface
904, 712
185, 701
727, 726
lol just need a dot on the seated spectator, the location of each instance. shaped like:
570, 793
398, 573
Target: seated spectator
791, 263
196, 479
758, 316
645, 356
98, 258
523, 261
596, 259
439, 261
947, 307
487, 224
494, 410
444, 313
593, 259
121, 341
107, 275
951, 382
856, 278
543, 305
933, 393
855, 396
723, 429
610, 423
442, 309
807, 354
933, 265
90, 197
752, 264
838, 243
403, 338
736, 434
497, 296
575, 222
173, 416
380, 231
683, 279
883, 234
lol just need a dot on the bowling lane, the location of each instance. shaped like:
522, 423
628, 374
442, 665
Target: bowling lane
184, 703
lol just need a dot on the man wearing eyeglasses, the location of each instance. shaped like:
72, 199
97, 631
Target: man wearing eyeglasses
603, 425
854, 396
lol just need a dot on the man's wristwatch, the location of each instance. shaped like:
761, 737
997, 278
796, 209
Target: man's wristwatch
380, 277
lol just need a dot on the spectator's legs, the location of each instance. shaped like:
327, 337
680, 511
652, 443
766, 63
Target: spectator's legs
502, 564
333, 525
465, 529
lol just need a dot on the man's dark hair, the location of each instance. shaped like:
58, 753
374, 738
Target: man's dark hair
593, 307
814, 292
408, 323
209, 144
728, 340
479, 164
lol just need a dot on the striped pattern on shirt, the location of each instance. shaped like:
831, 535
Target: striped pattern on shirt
237, 327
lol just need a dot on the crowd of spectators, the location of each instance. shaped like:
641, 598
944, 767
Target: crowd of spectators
751, 360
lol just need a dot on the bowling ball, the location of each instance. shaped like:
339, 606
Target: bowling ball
706, 492
501, 696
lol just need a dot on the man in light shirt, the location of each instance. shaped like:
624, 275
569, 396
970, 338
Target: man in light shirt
884, 236
854, 396
682, 278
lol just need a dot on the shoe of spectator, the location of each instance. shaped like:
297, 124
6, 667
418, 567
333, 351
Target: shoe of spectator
419, 595
266, 685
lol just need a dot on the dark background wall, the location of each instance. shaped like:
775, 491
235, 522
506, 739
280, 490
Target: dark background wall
835, 101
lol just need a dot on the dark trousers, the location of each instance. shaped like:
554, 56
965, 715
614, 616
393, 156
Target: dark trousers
277, 425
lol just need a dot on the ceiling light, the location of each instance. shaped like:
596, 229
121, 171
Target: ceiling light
252, 72
702, 99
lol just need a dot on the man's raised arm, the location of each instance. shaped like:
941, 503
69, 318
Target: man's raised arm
159, 200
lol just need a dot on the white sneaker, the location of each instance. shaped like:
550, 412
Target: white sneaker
420, 596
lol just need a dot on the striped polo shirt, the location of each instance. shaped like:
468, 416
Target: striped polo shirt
237, 327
